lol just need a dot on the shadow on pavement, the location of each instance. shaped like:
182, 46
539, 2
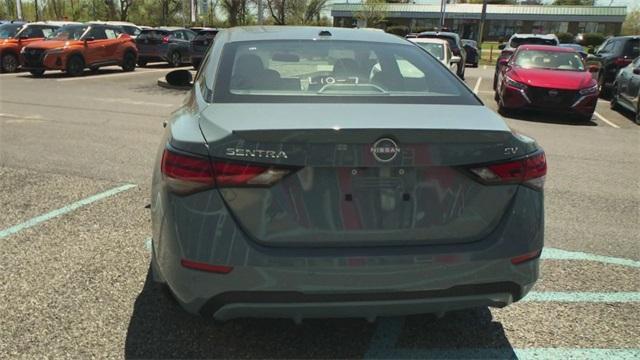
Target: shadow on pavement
160, 329
548, 118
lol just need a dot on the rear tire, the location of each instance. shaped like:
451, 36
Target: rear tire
638, 114
614, 98
37, 72
175, 59
604, 92
9, 63
75, 66
129, 62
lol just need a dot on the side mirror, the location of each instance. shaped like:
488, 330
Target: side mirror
503, 62
594, 68
636, 71
502, 46
86, 40
180, 78
456, 59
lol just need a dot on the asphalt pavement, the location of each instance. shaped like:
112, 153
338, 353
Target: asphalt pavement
75, 162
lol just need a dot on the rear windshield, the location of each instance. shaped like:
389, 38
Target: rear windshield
9, 30
206, 34
334, 71
69, 32
515, 42
152, 34
632, 49
436, 50
551, 60
131, 30
450, 40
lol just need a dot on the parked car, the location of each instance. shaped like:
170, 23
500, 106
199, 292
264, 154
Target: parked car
440, 49
72, 48
626, 89
614, 54
549, 78
171, 45
200, 44
273, 198
131, 29
15, 36
514, 42
576, 47
473, 52
454, 43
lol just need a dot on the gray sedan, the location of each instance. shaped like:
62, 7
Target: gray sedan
626, 89
328, 172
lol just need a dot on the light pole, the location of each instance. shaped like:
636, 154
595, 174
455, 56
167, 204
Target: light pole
483, 17
19, 9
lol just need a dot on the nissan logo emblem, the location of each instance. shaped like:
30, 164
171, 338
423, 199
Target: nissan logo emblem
385, 150
553, 93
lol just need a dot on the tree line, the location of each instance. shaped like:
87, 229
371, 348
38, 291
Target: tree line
217, 13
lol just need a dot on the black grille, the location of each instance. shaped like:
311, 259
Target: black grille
551, 98
33, 58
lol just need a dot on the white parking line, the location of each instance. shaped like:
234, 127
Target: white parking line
137, 72
477, 87
605, 120
484, 67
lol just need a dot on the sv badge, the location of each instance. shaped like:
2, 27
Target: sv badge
510, 150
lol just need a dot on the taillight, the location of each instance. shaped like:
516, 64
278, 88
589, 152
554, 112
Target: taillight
165, 40
530, 171
622, 61
186, 174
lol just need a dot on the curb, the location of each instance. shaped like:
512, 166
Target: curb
162, 82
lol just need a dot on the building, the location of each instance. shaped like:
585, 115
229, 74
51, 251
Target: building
501, 20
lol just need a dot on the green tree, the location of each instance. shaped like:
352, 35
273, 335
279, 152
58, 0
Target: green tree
631, 25
372, 13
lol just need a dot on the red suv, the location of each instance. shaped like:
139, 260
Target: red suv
73, 48
15, 36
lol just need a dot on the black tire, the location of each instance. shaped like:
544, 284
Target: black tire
175, 59
142, 63
638, 114
37, 72
461, 75
604, 91
495, 80
584, 118
129, 61
9, 63
614, 98
75, 65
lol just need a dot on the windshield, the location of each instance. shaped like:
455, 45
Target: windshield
515, 42
536, 59
9, 30
70, 32
345, 71
436, 50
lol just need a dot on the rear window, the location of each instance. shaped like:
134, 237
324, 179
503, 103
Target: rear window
515, 42
450, 40
206, 35
149, 34
633, 48
436, 50
334, 71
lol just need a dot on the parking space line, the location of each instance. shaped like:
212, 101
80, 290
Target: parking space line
559, 254
477, 87
605, 120
63, 210
583, 297
130, 73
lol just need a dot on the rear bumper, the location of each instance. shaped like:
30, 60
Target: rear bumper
297, 305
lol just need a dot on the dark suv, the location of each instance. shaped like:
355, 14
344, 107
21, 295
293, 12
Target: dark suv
454, 43
200, 44
164, 44
614, 54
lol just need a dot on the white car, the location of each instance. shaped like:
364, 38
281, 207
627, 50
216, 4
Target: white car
440, 50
